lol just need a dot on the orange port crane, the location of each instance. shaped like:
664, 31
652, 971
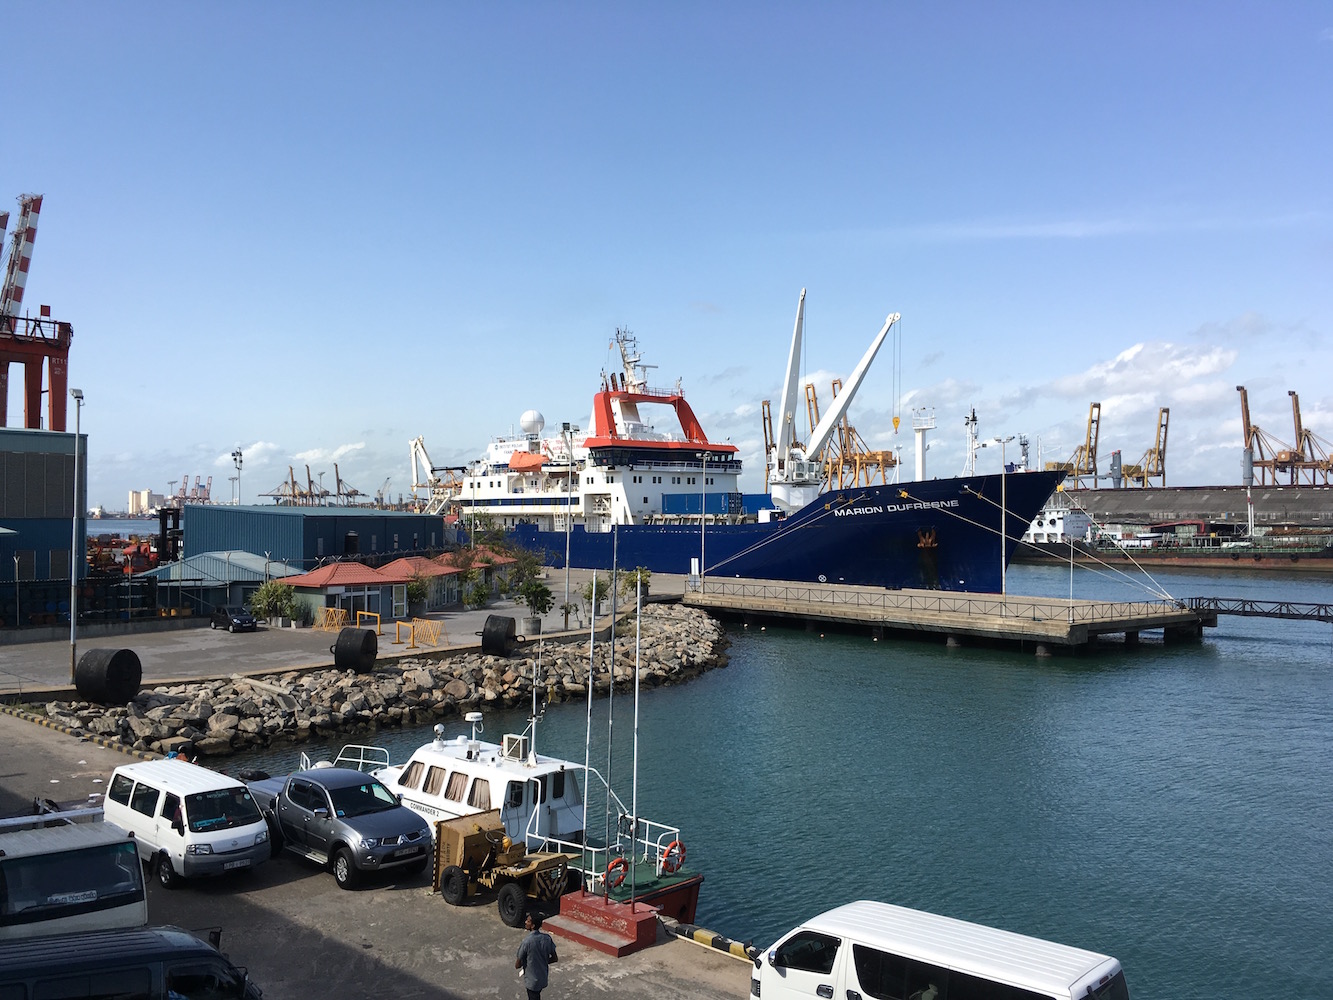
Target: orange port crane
1153, 463
1311, 463
848, 462
34, 343
1268, 456
1083, 463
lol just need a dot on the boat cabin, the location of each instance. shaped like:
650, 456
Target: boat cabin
537, 796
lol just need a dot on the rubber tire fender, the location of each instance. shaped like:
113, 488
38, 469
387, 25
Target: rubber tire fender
453, 885
513, 904
344, 869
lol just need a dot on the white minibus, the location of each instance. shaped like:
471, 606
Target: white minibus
187, 820
875, 951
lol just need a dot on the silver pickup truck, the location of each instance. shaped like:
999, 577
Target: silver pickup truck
345, 820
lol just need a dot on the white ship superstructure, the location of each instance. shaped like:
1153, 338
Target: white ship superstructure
643, 459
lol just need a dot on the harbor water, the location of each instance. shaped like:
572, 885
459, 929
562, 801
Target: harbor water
1166, 804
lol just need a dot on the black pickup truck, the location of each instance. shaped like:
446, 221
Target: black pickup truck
345, 820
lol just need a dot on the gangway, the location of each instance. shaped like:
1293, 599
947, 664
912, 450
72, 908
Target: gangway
1262, 609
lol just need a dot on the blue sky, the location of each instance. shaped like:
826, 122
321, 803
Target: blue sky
317, 230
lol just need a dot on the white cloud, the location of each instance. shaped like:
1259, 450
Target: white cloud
317, 455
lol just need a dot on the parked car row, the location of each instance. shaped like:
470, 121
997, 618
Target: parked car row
190, 822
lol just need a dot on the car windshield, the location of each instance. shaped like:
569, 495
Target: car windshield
358, 800
220, 810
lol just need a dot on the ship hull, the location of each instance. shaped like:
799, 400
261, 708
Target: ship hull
942, 534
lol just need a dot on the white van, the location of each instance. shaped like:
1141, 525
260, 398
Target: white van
65, 879
187, 820
874, 950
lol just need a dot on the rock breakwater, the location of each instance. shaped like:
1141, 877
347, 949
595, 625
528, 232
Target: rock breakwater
224, 716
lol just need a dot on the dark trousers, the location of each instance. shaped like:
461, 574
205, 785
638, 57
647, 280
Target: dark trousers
534, 994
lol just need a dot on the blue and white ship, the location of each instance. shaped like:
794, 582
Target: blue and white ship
644, 478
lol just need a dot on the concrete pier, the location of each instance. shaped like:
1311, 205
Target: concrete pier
1042, 622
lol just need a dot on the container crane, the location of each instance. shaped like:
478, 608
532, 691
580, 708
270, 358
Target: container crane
1083, 463
1153, 463
1314, 462
1267, 455
848, 461
33, 343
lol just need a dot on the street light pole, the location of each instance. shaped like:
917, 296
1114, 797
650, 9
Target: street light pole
703, 506
568, 432
237, 458
74, 547
1004, 515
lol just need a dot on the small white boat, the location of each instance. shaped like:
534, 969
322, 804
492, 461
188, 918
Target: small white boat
541, 803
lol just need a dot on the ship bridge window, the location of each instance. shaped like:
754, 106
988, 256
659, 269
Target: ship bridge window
514, 795
691, 481
457, 786
411, 776
480, 798
709, 481
434, 781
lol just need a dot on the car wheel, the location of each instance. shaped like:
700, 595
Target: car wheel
166, 873
212, 624
513, 904
453, 885
231, 629
344, 869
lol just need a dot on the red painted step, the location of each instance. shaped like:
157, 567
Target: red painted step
610, 927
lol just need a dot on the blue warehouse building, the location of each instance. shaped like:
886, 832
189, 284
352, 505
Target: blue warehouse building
36, 511
311, 536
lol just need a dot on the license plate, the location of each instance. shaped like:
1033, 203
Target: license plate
228, 866
404, 851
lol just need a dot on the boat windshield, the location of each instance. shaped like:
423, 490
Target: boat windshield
220, 809
359, 800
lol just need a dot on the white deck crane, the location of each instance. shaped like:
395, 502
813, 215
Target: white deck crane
439, 491
796, 475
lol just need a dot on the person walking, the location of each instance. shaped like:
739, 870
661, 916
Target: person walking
536, 954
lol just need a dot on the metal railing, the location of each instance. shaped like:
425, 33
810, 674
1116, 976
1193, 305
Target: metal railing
1262, 609
646, 842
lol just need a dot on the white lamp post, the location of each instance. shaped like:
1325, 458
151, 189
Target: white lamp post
568, 431
1004, 515
237, 458
74, 547
703, 505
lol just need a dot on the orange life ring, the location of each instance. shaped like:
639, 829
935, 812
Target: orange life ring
668, 864
620, 865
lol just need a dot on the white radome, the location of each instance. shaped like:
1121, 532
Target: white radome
532, 422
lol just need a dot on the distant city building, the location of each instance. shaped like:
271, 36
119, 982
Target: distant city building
144, 502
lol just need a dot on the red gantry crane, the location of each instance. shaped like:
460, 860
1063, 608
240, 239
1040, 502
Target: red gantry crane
33, 343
